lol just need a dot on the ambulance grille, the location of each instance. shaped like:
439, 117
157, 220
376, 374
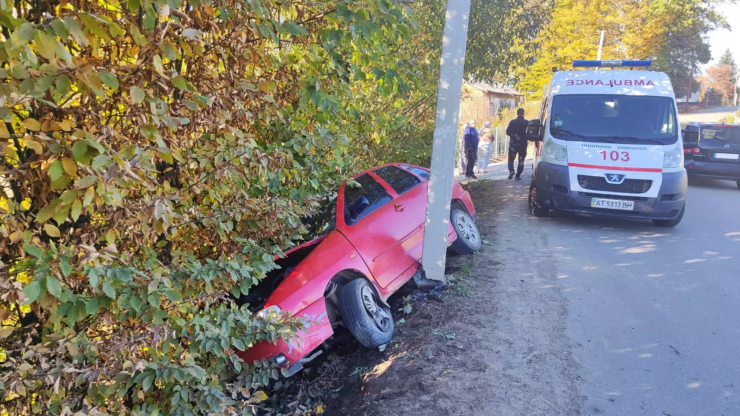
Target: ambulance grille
629, 186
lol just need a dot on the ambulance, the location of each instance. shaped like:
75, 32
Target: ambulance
609, 143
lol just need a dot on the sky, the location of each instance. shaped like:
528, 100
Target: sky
720, 40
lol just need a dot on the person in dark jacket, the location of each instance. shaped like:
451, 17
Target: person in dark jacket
517, 131
471, 149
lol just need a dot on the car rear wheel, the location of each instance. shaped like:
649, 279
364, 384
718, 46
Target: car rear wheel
468, 238
671, 223
534, 208
366, 317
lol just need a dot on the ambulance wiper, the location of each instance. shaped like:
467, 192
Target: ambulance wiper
630, 139
571, 133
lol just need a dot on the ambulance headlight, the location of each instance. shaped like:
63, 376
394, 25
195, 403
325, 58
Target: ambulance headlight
673, 158
554, 152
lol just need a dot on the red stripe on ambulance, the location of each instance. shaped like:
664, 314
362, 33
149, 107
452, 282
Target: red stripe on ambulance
580, 165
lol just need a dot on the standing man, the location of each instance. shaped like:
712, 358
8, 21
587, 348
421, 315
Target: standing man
517, 131
471, 149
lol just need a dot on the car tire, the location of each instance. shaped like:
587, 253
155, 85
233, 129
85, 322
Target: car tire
738, 183
673, 222
534, 208
365, 315
468, 237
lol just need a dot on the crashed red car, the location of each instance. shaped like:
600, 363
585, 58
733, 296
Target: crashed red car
366, 244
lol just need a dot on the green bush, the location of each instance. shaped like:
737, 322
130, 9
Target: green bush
156, 157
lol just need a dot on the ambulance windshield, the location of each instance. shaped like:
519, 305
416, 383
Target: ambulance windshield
614, 118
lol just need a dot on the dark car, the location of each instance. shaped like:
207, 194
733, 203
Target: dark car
712, 150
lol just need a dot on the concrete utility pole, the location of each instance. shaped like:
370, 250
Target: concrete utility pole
454, 43
601, 45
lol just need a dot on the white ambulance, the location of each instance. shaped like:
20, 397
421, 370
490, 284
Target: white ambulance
609, 143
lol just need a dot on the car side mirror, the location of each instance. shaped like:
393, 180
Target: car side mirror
357, 207
534, 130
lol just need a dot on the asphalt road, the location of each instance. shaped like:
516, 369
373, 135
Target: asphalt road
711, 115
654, 313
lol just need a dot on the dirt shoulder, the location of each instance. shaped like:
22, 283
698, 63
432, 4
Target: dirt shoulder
491, 343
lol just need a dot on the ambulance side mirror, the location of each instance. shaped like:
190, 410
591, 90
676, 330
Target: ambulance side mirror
690, 139
534, 130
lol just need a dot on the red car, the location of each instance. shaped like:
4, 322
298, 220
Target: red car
366, 244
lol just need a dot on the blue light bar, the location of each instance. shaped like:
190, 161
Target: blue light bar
612, 64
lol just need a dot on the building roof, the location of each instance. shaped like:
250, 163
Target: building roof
494, 88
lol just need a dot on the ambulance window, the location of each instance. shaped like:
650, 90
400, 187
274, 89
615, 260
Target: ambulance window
609, 117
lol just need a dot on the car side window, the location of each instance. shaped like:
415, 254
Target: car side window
370, 189
422, 173
400, 180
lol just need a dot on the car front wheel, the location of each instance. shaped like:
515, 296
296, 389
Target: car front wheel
468, 238
365, 315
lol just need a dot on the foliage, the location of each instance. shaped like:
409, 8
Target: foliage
496, 44
728, 59
499, 37
156, 157
717, 85
670, 32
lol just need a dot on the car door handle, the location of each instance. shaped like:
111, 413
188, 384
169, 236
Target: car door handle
400, 207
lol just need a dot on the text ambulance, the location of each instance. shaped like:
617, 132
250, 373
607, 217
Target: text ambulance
609, 144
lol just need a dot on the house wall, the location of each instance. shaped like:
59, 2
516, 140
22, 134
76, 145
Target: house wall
483, 106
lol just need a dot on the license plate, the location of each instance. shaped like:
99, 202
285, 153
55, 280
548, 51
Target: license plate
613, 204
728, 156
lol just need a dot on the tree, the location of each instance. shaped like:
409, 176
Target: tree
727, 59
156, 157
670, 32
718, 84
500, 37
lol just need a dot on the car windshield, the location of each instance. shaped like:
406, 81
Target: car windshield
322, 221
729, 134
609, 118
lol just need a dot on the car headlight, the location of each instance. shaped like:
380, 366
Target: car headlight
271, 312
554, 152
673, 158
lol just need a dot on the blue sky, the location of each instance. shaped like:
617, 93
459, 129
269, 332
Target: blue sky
720, 40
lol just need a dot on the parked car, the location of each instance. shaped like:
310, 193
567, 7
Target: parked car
365, 245
712, 150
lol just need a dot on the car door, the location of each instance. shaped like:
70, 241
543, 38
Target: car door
412, 198
386, 234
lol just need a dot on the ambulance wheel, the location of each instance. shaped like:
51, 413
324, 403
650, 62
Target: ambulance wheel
673, 222
534, 208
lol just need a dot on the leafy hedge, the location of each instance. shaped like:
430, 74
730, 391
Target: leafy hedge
156, 156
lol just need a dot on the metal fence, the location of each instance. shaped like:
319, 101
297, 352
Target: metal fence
500, 143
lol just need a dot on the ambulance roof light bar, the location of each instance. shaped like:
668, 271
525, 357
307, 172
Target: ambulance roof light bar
612, 64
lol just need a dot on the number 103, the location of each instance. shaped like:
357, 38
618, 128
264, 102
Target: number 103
615, 156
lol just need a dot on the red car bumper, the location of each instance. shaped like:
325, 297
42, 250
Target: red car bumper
318, 330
